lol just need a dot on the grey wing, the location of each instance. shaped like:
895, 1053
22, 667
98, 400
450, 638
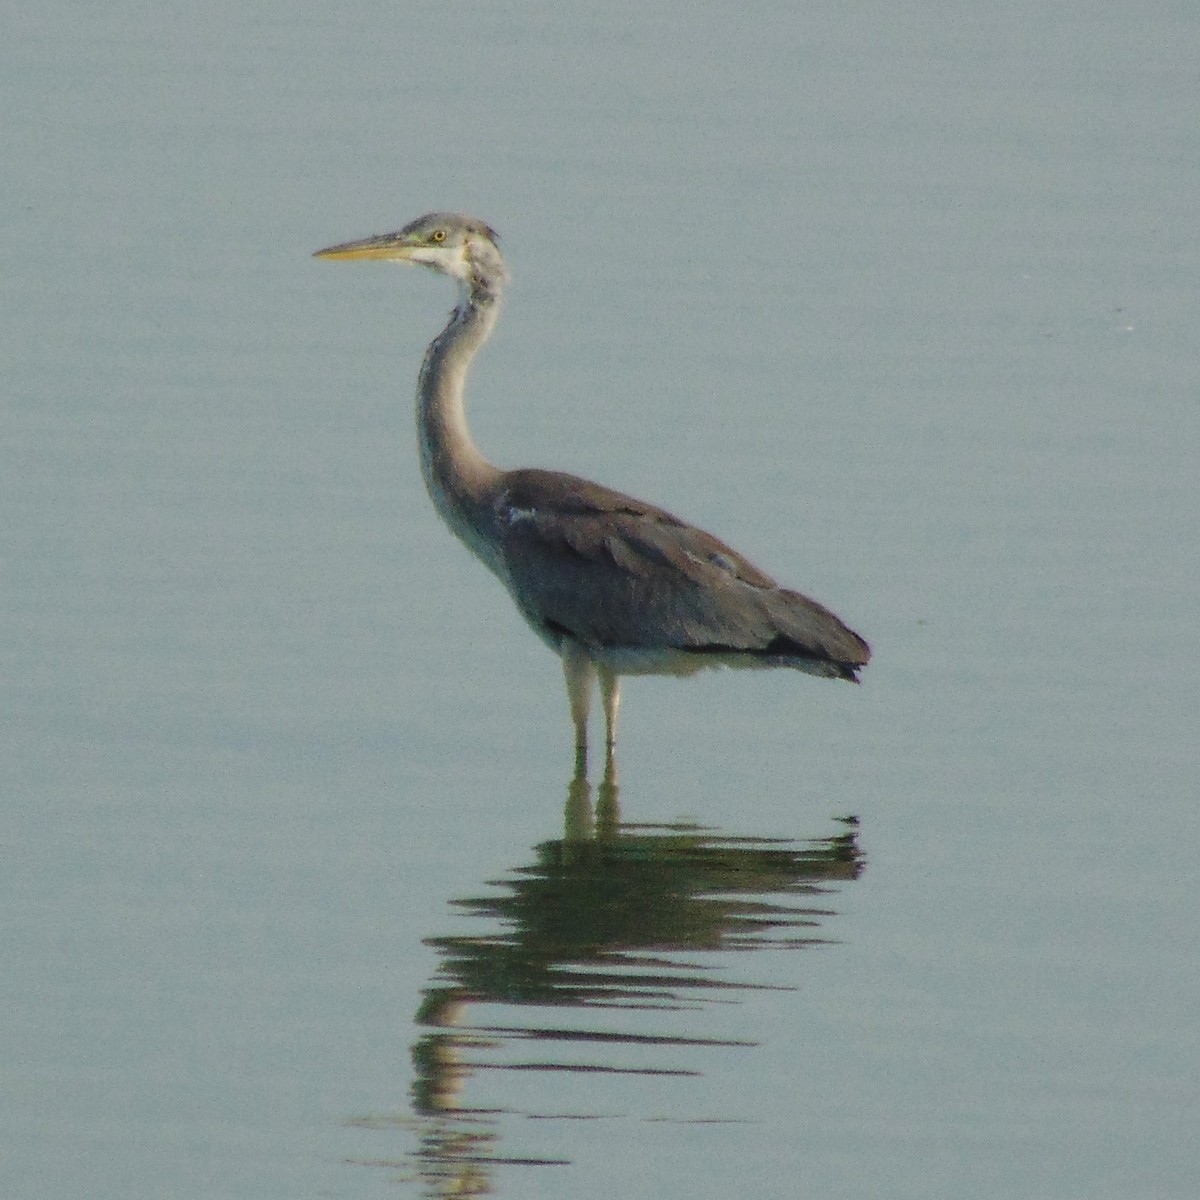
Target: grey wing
615, 573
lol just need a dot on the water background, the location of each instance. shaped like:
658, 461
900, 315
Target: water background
902, 301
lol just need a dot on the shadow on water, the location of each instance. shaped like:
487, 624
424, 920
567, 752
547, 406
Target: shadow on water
608, 925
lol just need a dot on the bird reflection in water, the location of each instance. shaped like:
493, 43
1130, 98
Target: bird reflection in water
609, 924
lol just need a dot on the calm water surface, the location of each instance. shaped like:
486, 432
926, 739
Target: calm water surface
299, 899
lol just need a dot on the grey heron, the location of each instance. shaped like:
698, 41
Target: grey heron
613, 585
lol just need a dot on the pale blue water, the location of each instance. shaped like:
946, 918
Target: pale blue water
902, 304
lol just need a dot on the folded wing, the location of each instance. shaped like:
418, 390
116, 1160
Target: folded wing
624, 577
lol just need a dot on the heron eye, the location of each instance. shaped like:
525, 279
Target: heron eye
438, 235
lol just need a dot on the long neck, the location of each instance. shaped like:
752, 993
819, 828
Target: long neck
460, 481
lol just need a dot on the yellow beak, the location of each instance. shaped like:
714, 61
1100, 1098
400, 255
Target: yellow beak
392, 246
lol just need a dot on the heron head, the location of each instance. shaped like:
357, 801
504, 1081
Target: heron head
455, 245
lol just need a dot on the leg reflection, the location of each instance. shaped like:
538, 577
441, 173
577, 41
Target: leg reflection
582, 823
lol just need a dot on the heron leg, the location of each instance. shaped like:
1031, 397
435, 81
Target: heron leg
610, 693
580, 673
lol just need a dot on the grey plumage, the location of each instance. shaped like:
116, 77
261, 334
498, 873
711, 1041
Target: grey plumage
628, 579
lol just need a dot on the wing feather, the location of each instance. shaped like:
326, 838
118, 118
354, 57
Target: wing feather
616, 573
